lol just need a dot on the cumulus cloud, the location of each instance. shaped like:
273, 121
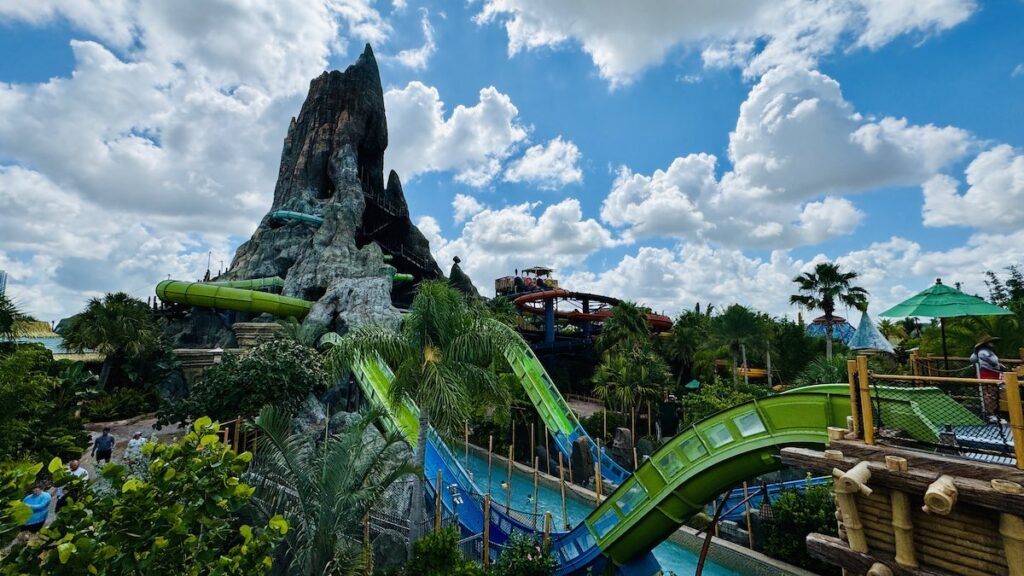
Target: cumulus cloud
472, 141
547, 166
418, 58
755, 36
162, 144
994, 198
466, 206
495, 241
797, 147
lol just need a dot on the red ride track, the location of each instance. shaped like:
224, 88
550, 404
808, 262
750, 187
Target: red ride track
657, 322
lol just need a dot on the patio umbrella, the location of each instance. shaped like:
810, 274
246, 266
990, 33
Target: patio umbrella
941, 301
868, 337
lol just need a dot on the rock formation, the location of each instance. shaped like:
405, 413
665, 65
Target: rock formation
332, 167
460, 280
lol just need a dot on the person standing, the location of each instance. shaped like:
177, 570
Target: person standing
988, 367
133, 454
39, 502
103, 447
74, 469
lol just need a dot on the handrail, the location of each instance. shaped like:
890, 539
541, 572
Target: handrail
949, 379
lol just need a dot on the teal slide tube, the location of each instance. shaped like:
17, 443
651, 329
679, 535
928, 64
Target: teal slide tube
227, 298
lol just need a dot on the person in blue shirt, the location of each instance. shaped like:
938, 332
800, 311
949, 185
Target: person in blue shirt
39, 502
103, 446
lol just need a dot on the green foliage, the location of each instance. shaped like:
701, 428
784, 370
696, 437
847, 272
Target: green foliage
795, 515
594, 424
121, 327
15, 480
626, 378
792, 350
39, 421
625, 329
821, 370
10, 316
118, 404
823, 289
180, 517
689, 334
524, 556
323, 484
280, 371
437, 554
716, 396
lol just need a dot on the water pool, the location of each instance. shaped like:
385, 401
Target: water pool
672, 556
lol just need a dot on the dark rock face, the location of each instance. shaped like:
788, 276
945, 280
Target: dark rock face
332, 167
461, 281
582, 462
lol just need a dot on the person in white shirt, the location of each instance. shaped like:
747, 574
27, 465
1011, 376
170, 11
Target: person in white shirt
134, 452
76, 470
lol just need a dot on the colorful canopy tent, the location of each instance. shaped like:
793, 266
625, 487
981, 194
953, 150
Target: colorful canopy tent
841, 329
868, 337
941, 301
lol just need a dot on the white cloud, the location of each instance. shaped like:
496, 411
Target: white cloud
465, 207
549, 167
994, 198
163, 141
1018, 70
495, 241
473, 141
797, 146
622, 43
419, 58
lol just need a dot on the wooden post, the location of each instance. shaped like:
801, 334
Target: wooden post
536, 488
604, 419
598, 483
437, 503
768, 362
490, 448
851, 372
487, 530
513, 445
649, 422
632, 426
636, 461
1012, 529
714, 513
561, 481
508, 498
940, 498
467, 444
533, 442
750, 530
1013, 406
915, 365
848, 484
902, 524
547, 448
547, 529
865, 399
238, 428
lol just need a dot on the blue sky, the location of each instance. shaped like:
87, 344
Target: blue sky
680, 152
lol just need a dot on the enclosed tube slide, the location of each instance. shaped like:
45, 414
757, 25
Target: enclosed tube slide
227, 298
527, 303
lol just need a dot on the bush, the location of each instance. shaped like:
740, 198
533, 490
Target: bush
524, 556
181, 517
39, 407
717, 396
118, 404
594, 424
795, 515
279, 371
437, 554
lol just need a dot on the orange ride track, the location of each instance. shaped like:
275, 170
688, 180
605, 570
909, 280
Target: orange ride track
532, 303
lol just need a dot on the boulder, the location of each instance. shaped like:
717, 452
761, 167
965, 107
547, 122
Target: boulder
582, 462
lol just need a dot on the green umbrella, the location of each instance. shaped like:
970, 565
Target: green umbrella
941, 301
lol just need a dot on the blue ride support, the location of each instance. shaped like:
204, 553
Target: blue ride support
549, 321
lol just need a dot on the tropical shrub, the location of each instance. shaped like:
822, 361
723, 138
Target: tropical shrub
279, 371
524, 556
181, 517
594, 424
15, 480
323, 484
796, 514
39, 421
437, 554
118, 404
823, 370
716, 396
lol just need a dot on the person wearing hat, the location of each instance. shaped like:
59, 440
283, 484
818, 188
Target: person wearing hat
134, 452
988, 367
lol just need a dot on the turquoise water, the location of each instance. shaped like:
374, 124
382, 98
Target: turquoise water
672, 556
53, 344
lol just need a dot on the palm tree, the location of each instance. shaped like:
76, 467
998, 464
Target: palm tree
737, 327
626, 328
822, 289
119, 326
625, 379
689, 333
443, 359
324, 485
10, 317
893, 331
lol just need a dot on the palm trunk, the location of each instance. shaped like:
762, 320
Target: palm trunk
105, 371
768, 361
746, 375
828, 339
417, 512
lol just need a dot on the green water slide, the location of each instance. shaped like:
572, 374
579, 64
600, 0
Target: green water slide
261, 284
228, 298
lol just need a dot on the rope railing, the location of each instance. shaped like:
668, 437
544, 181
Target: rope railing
974, 418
